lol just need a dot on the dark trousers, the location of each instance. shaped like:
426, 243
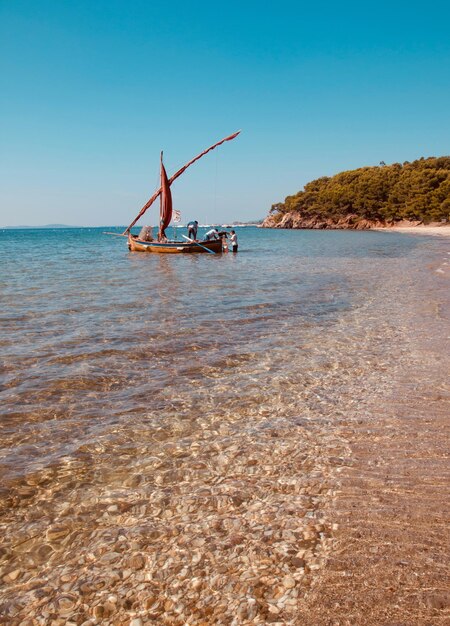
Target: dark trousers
235, 248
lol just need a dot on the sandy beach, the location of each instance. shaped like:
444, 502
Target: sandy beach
443, 231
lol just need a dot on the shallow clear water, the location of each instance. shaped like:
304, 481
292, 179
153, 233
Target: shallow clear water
166, 421
94, 337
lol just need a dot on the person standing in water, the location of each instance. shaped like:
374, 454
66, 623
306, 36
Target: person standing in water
223, 236
234, 241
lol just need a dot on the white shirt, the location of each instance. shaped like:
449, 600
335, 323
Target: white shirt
233, 239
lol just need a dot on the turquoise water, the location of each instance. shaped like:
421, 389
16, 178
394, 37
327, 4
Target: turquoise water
93, 334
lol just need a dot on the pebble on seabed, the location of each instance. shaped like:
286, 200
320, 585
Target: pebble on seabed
207, 535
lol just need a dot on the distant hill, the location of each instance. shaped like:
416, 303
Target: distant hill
43, 226
251, 223
370, 196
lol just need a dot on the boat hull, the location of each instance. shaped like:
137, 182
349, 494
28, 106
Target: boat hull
174, 247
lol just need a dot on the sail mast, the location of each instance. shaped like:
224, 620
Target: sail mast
161, 199
174, 177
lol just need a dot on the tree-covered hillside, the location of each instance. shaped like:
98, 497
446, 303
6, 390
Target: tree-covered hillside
387, 193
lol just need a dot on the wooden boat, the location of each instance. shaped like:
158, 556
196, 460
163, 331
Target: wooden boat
173, 247
162, 245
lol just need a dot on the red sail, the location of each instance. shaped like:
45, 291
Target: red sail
174, 177
166, 203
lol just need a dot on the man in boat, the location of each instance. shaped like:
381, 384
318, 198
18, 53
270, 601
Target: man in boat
192, 229
162, 232
212, 234
234, 241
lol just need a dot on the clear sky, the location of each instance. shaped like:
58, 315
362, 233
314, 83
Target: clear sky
92, 90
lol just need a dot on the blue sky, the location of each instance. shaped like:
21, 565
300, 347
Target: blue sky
92, 91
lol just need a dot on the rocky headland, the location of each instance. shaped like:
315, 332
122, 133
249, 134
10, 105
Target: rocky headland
351, 222
386, 196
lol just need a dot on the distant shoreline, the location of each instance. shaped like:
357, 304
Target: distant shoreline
418, 229
48, 226
123, 226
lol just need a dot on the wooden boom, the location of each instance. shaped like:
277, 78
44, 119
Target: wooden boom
174, 177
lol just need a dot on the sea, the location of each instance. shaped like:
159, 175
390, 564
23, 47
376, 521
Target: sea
112, 359
95, 338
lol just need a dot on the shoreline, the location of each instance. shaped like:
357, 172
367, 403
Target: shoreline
388, 561
420, 229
